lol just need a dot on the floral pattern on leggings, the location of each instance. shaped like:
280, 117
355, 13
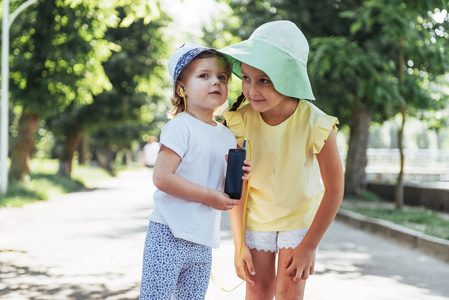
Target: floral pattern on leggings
173, 267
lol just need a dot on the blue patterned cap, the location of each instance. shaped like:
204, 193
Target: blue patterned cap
181, 57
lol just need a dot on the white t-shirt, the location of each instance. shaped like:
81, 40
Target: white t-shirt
202, 149
151, 150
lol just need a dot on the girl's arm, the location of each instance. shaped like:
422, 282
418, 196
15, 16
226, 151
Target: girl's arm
166, 180
236, 217
301, 264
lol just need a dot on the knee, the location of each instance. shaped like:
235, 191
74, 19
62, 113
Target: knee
290, 291
260, 290
289, 295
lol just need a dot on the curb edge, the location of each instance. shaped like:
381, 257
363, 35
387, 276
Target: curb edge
428, 244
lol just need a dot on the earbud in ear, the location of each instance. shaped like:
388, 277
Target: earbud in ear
182, 90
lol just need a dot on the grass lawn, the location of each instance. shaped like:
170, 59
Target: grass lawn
43, 182
418, 218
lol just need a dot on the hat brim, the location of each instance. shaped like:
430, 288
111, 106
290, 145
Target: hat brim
184, 60
289, 76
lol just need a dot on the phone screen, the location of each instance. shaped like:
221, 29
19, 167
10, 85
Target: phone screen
234, 173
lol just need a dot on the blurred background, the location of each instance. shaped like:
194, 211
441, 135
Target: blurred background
89, 88
88, 83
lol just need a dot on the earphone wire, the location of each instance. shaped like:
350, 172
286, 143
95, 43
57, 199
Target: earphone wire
241, 103
182, 90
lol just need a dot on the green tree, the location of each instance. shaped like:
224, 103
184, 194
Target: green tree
57, 51
354, 61
118, 117
417, 44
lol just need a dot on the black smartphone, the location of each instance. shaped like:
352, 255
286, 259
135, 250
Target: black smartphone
234, 173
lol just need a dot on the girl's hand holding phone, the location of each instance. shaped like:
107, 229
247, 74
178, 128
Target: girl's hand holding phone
246, 169
221, 201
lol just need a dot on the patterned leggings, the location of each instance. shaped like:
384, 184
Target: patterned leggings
173, 266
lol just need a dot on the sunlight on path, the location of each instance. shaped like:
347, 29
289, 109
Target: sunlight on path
89, 245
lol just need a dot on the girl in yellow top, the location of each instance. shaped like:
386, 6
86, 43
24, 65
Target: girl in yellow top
297, 177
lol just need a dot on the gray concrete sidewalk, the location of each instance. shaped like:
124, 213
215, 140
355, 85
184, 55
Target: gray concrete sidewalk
88, 245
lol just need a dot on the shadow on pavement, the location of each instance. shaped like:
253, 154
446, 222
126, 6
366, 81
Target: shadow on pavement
380, 259
26, 283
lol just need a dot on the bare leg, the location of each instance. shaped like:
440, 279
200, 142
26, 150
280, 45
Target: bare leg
263, 289
286, 289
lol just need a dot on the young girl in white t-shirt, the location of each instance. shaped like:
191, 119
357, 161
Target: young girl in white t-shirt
189, 176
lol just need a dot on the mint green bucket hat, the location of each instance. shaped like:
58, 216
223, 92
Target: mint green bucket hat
280, 50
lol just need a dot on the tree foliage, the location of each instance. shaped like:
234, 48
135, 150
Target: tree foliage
408, 30
59, 68
132, 108
57, 51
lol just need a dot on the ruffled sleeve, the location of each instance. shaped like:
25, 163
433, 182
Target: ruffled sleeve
323, 127
234, 121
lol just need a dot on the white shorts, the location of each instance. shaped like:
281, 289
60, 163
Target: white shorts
272, 241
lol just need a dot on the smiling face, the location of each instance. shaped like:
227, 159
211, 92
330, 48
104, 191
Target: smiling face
261, 94
205, 81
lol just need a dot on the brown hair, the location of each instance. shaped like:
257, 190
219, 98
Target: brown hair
236, 105
176, 100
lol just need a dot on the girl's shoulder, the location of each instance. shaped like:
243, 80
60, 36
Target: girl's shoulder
318, 119
246, 108
307, 108
308, 105
243, 110
178, 123
240, 115
247, 112
175, 121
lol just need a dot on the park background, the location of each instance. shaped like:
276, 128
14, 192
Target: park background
88, 84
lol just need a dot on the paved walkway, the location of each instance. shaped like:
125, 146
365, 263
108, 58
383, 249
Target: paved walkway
88, 245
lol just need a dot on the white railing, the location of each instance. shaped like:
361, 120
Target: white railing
419, 165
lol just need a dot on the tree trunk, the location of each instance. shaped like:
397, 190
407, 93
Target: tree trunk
106, 159
83, 149
355, 176
399, 189
22, 146
70, 146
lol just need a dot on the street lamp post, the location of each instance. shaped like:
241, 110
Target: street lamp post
4, 124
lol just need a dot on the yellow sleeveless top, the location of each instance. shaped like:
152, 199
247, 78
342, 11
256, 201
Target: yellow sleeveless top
286, 187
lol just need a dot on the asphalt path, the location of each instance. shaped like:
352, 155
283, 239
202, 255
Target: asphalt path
88, 245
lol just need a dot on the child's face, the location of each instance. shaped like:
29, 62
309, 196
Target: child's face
259, 90
205, 83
